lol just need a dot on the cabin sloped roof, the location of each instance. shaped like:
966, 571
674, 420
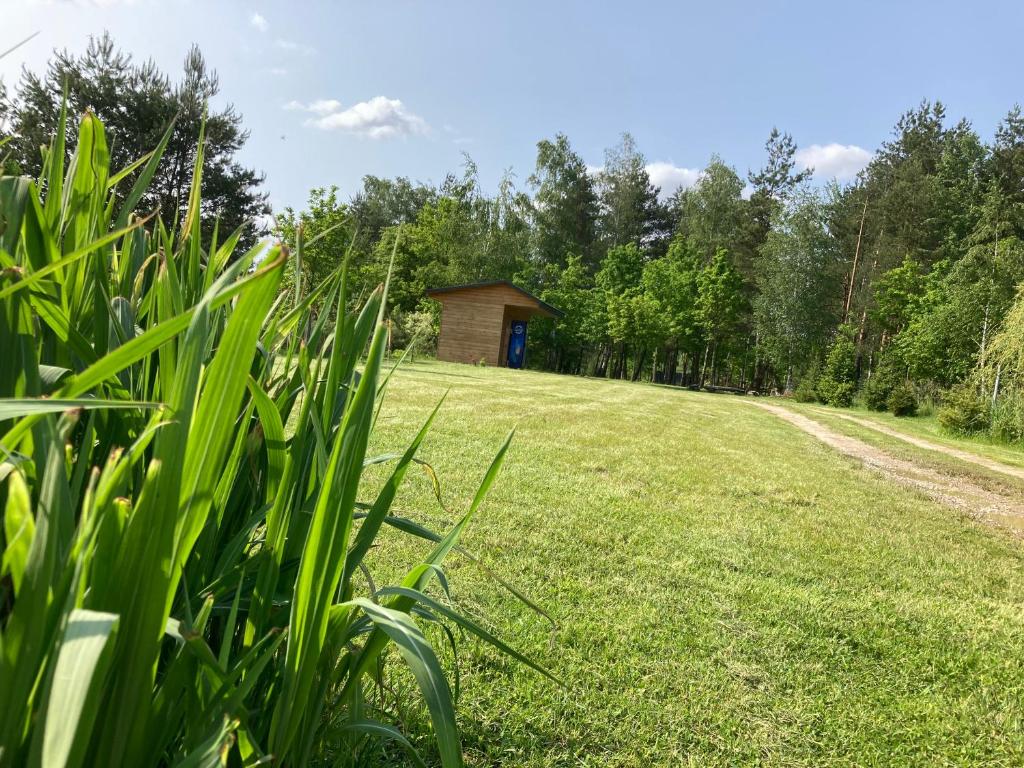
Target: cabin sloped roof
541, 305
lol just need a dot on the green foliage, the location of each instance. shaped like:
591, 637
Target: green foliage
416, 332
964, 410
672, 281
876, 393
806, 389
719, 296
887, 376
902, 400
630, 211
136, 102
710, 215
565, 205
797, 281
185, 516
1007, 422
836, 383
773, 185
897, 293
325, 230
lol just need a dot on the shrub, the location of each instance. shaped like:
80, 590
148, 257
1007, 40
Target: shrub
837, 382
1008, 417
964, 410
884, 379
805, 390
185, 518
416, 331
902, 400
838, 394
876, 393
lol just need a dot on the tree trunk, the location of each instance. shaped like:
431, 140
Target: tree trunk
638, 365
856, 258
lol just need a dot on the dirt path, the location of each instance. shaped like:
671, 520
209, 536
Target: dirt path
1001, 509
973, 458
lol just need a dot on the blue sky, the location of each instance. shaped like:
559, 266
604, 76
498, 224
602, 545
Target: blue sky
335, 90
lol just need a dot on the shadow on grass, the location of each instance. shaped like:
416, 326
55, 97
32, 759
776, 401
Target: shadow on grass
419, 369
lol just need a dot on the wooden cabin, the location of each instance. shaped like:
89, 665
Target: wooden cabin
487, 322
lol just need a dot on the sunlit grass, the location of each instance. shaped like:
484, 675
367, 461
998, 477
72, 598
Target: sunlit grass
727, 589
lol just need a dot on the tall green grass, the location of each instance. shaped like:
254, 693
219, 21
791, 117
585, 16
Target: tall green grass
184, 523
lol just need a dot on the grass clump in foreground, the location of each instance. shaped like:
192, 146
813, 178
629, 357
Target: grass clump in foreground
182, 583
727, 589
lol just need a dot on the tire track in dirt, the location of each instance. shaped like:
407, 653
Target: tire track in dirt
956, 453
1001, 509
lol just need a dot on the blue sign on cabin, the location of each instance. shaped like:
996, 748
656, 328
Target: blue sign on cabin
517, 344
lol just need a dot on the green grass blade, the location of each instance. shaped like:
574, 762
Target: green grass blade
375, 516
423, 663
19, 530
323, 556
13, 408
145, 178
33, 278
467, 624
82, 664
273, 437
384, 731
55, 175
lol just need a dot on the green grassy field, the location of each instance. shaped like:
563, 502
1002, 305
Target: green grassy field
727, 590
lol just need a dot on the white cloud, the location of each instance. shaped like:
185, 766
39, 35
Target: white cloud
378, 118
672, 177
833, 161
318, 107
324, 106
666, 176
259, 22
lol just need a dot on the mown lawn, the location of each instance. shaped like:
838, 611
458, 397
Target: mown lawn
727, 590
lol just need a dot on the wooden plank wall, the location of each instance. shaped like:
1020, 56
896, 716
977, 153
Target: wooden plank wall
472, 323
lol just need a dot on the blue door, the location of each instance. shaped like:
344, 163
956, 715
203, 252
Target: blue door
517, 344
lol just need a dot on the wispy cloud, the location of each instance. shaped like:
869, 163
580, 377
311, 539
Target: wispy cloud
378, 118
318, 107
259, 22
833, 161
293, 47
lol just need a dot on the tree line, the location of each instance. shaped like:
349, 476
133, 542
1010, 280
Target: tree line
903, 276
897, 288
